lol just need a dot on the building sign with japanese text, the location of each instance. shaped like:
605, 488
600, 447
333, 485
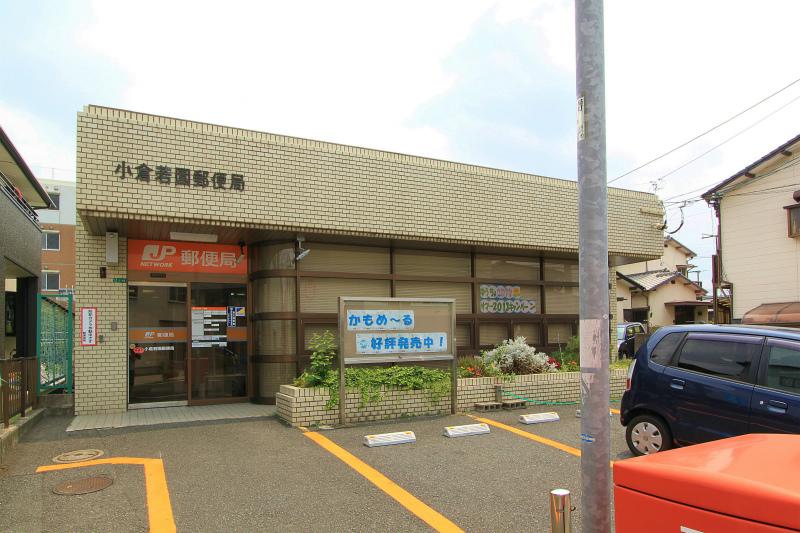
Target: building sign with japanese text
172, 256
372, 320
396, 329
88, 326
369, 343
179, 176
504, 299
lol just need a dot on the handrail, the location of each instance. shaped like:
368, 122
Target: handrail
10, 191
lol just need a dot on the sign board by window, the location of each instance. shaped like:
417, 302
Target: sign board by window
209, 327
396, 330
88, 326
504, 299
172, 256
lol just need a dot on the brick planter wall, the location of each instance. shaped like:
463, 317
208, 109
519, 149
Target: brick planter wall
305, 407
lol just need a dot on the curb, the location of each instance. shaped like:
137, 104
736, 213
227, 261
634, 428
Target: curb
10, 437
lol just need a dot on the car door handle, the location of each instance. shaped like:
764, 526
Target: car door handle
775, 406
677, 384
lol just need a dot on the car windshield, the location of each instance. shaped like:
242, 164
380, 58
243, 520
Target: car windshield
620, 333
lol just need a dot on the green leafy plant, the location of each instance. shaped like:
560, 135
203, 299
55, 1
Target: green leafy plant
323, 351
368, 381
569, 357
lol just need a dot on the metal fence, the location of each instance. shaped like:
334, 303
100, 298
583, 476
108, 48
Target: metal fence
18, 386
54, 342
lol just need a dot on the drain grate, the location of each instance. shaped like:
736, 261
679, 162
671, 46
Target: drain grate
83, 486
77, 456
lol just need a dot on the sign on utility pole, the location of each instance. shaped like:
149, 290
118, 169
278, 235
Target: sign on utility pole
593, 259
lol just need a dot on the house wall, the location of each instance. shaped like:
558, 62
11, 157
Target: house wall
670, 259
62, 260
623, 291
758, 257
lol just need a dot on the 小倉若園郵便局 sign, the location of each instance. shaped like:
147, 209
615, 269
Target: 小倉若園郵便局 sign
497, 299
179, 176
379, 320
386, 343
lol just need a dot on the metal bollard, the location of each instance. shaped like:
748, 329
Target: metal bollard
498, 393
560, 511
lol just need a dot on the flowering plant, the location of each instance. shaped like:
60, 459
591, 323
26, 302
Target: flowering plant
517, 357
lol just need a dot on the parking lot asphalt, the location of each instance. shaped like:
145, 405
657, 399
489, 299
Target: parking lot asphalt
260, 475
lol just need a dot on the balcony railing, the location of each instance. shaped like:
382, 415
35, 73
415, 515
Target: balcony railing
16, 198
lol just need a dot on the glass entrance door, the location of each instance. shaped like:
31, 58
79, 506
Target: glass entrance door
218, 342
157, 343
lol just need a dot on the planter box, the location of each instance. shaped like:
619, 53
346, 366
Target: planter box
306, 406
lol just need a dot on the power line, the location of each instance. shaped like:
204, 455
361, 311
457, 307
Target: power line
705, 132
788, 164
729, 139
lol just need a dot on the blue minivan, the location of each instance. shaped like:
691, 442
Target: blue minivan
692, 384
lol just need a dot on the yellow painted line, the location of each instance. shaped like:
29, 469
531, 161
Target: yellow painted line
402, 496
159, 508
541, 440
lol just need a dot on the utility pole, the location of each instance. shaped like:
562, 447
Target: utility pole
593, 256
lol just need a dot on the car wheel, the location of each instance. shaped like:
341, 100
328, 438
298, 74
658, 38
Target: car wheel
648, 434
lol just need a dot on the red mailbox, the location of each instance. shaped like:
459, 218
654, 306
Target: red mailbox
742, 484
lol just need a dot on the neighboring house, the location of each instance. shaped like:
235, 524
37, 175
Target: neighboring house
58, 237
659, 292
756, 267
20, 255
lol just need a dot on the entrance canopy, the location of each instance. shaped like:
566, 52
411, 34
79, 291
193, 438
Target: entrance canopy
783, 314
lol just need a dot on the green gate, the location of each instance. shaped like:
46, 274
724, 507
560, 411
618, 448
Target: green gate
54, 341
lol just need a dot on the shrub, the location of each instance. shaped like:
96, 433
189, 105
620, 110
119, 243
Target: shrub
516, 357
569, 358
324, 349
367, 380
476, 367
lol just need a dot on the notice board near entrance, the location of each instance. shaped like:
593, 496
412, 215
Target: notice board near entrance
396, 330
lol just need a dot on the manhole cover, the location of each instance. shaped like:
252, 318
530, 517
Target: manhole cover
83, 486
77, 456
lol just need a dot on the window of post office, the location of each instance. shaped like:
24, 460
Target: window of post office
429, 263
492, 334
558, 334
321, 295
275, 337
50, 281
340, 258
531, 332
312, 331
462, 292
561, 300
506, 267
51, 240
274, 295
560, 270
278, 256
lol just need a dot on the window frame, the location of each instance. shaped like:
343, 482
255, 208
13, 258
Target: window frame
47, 232
764, 362
44, 279
755, 364
790, 211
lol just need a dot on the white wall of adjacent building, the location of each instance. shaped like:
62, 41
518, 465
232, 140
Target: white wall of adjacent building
758, 256
65, 214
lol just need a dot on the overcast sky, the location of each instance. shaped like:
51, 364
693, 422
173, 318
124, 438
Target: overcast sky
484, 82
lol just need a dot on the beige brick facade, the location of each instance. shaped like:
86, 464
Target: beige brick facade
299, 185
